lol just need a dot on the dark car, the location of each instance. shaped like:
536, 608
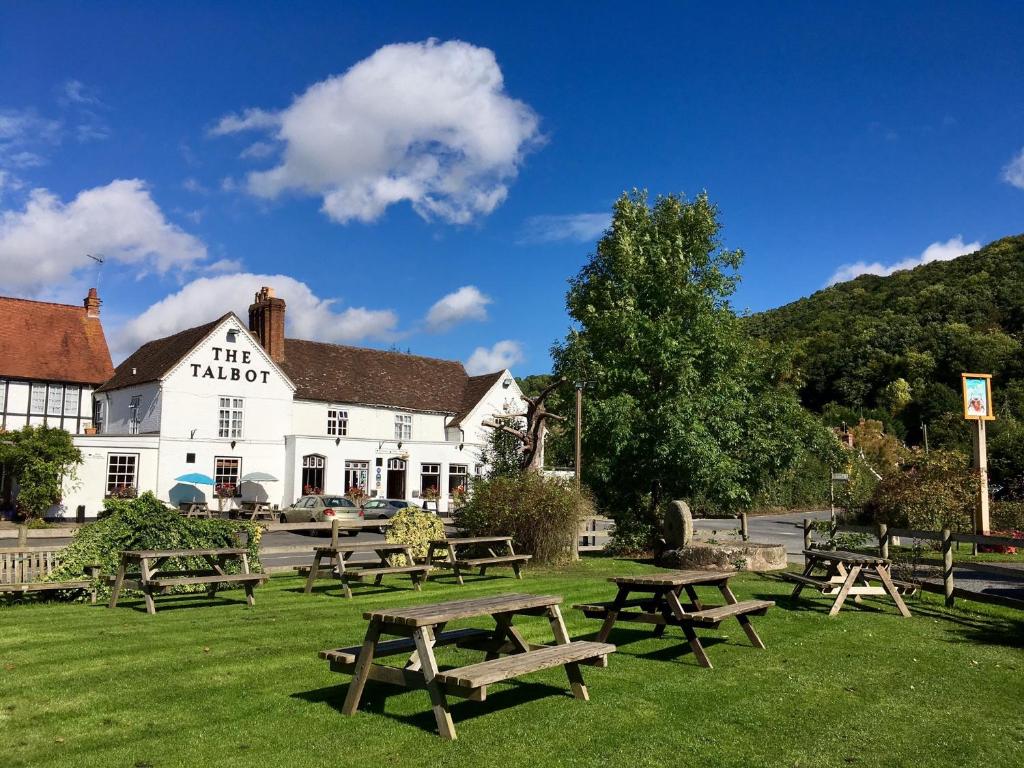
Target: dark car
385, 509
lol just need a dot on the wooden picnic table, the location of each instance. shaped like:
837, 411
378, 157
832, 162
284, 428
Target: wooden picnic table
421, 629
339, 554
152, 580
662, 607
847, 573
255, 510
195, 509
461, 562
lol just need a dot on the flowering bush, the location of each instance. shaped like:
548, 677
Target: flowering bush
123, 492
356, 495
311, 490
223, 492
459, 496
415, 527
1003, 550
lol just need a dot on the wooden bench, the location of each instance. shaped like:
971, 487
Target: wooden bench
716, 615
538, 658
339, 556
152, 579
23, 570
420, 630
846, 574
444, 553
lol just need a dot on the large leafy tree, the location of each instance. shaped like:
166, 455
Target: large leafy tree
678, 401
39, 459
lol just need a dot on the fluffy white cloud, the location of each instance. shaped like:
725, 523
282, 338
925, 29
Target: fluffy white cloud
24, 135
46, 242
428, 123
257, 151
504, 354
577, 227
937, 251
1013, 173
207, 298
249, 120
467, 303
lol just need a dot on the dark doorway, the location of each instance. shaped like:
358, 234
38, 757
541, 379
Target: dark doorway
396, 479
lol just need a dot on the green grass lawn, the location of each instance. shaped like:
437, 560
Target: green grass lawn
217, 684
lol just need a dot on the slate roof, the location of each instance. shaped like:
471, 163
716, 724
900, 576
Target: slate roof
334, 373
52, 342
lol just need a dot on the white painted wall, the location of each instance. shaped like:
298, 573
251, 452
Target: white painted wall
90, 484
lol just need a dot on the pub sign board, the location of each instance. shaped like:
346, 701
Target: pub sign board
978, 396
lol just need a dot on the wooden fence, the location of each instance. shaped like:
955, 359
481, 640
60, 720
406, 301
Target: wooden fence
946, 538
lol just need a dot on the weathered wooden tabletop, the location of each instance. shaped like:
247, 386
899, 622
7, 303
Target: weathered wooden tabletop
362, 546
151, 553
442, 613
841, 556
672, 578
471, 540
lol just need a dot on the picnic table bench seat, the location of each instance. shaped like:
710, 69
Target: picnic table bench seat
343, 657
848, 574
445, 553
214, 578
362, 573
715, 615
536, 659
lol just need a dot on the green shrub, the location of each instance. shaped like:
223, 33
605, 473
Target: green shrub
929, 492
542, 515
146, 523
1007, 516
416, 528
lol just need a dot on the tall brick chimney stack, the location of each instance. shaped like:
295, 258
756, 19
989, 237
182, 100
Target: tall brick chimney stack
266, 321
92, 304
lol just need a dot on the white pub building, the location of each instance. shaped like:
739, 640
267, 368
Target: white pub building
224, 400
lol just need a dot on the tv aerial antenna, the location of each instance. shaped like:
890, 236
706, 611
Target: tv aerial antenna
99, 263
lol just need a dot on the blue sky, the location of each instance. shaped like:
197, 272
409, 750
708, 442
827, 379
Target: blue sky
437, 196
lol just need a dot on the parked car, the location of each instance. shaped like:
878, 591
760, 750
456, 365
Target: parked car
384, 509
322, 508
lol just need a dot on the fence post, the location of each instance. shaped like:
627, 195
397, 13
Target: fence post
744, 531
334, 532
947, 566
807, 537
22, 535
883, 541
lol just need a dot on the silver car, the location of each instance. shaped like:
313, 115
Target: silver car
323, 508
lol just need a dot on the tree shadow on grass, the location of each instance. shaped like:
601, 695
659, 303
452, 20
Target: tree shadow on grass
375, 696
178, 602
675, 644
334, 588
981, 629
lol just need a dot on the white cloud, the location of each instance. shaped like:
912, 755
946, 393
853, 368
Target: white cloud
76, 92
504, 354
937, 251
207, 298
428, 123
467, 303
1013, 173
225, 265
578, 227
249, 120
46, 242
257, 150
24, 135
194, 185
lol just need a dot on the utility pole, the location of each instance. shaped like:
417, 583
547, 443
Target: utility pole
579, 432
924, 431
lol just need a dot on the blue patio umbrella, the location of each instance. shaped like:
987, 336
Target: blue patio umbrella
196, 478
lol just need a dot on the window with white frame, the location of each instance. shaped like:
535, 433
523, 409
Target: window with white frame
403, 426
430, 478
37, 400
55, 400
230, 422
314, 467
71, 400
97, 416
122, 472
458, 477
227, 471
337, 422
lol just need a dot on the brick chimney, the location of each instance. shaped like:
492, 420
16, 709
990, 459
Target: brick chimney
92, 304
266, 321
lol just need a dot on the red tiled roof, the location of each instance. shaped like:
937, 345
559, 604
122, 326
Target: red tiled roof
476, 388
52, 342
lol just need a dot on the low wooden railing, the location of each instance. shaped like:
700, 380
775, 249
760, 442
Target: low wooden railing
946, 538
24, 564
